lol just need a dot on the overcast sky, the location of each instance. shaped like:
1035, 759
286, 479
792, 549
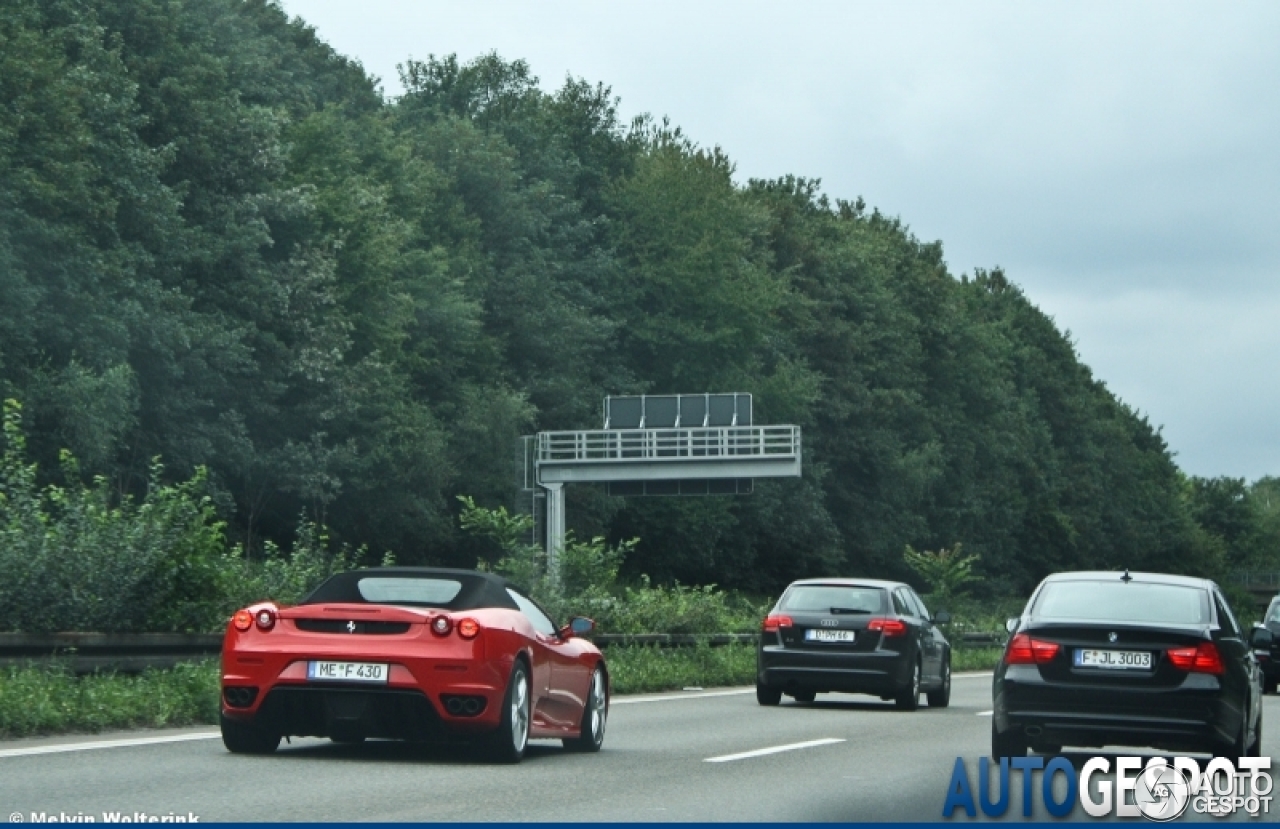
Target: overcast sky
1121, 161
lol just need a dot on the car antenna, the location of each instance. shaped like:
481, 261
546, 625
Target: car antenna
1126, 578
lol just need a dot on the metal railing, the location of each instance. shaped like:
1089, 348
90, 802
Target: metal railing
1255, 579
675, 445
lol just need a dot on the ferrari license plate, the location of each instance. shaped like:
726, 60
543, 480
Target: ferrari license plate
829, 635
347, 671
1119, 660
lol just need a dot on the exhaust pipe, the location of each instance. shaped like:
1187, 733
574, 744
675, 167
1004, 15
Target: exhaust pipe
454, 705
1033, 731
470, 706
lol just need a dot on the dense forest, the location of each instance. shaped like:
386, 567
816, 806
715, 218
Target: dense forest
222, 246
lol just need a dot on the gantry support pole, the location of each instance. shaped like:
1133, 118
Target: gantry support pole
555, 529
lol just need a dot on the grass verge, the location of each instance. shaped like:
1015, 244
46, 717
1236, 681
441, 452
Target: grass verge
49, 699
638, 669
975, 659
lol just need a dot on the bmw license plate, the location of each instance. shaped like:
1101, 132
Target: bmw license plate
1120, 660
829, 635
347, 671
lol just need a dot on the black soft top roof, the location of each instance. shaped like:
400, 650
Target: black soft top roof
478, 589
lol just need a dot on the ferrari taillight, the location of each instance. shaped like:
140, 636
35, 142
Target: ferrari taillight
265, 619
1202, 659
888, 627
242, 621
773, 621
441, 625
468, 628
1023, 650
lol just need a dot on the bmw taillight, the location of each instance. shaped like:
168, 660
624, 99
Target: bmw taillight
774, 621
1202, 659
441, 625
888, 627
468, 628
242, 621
265, 619
1023, 650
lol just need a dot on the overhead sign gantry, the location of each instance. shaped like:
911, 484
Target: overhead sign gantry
687, 444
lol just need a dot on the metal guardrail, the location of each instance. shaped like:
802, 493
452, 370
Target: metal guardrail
123, 652
1257, 579
674, 445
134, 652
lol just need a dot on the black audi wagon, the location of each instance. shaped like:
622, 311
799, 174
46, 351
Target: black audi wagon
861, 636
1129, 659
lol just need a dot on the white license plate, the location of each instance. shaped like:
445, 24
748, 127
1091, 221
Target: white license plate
829, 635
347, 671
1121, 660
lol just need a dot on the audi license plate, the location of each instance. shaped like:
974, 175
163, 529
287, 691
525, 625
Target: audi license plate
1121, 660
829, 635
347, 671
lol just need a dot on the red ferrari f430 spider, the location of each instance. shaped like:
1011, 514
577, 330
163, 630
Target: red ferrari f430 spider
412, 653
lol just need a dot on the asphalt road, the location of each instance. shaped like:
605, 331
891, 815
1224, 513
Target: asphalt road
673, 757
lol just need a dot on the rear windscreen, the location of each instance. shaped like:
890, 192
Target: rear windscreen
430, 592
1116, 601
445, 589
833, 598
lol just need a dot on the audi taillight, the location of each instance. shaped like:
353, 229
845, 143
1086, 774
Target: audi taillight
242, 621
441, 625
1202, 659
888, 627
1023, 650
468, 628
773, 622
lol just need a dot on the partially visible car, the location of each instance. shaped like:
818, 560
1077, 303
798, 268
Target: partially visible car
412, 653
1269, 657
1129, 659
862, 636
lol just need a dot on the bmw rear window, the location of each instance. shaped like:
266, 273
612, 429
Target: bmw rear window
833, 598
1116, 601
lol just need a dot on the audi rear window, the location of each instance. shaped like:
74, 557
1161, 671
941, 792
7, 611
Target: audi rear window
1116, 601
833, 598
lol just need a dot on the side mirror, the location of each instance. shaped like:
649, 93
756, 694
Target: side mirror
942, 617
1261, 638
1011, 624
578, 626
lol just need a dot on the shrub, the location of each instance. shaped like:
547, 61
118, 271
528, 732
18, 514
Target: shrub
76, 557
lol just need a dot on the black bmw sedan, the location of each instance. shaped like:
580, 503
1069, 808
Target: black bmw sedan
856, 636
1131, 659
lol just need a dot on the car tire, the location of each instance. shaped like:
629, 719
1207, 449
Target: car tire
1009, 744
1254, 749
941, 698
805, 696
595, 715
908, 699
508, 743
767, 694
246, 738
